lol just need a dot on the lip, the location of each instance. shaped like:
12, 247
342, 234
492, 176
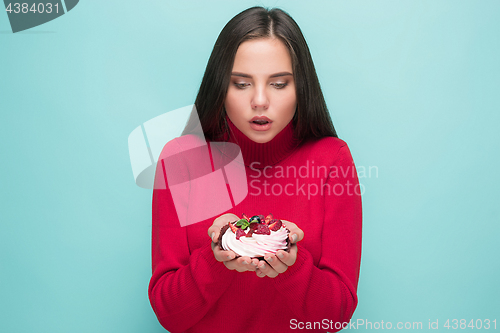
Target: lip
260, 118
257, 127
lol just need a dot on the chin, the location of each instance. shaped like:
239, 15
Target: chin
262, 139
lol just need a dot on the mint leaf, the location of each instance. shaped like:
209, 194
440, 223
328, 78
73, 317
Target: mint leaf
241, 222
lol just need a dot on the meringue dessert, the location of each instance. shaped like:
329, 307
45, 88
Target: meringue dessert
254, 237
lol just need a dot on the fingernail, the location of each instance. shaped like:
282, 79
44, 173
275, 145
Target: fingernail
294, 238
213, 234
263, 266
269, 259
229, 257
244, 262
280, 255
253, 264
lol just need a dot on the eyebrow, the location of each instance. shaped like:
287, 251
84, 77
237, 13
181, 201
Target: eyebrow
249, 76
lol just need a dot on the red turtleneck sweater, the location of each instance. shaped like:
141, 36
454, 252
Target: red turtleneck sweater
313, 184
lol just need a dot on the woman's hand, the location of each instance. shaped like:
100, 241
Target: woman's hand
240, 264
279, 263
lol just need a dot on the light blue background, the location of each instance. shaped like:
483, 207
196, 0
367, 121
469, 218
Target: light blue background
412, 86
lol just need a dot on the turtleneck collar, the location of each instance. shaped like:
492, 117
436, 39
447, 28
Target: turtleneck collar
268, 153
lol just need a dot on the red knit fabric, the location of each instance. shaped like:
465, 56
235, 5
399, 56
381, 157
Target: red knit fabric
190, 291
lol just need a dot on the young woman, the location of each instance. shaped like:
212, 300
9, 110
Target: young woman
260, 91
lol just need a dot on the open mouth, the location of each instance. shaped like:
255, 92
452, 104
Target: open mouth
260, 123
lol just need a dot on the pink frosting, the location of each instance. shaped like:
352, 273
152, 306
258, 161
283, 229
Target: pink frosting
257, 245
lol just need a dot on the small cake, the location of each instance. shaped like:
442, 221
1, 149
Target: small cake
255, 236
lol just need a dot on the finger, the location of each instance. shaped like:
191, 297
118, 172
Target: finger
213, 231
276, 263
245, 263
260, 273
239, 265
231, 265
222, 255
254, 262
213, 234
235, 265
245, 260
288, 258
296, 234
267, 269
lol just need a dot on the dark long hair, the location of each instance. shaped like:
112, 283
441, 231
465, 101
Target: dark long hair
311, 120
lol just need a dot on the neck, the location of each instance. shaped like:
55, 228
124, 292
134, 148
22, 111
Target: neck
259, 155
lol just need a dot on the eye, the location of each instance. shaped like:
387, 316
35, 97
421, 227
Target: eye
241, 85
279, 85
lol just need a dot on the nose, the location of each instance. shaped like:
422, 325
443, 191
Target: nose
260, 99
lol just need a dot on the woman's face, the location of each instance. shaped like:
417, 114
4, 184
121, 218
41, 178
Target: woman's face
261, 97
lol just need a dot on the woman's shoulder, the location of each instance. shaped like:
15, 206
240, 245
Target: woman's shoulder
182, 145
329, 143
326, 150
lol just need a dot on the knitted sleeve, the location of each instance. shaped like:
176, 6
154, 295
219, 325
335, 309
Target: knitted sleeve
184, 285
328, 290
